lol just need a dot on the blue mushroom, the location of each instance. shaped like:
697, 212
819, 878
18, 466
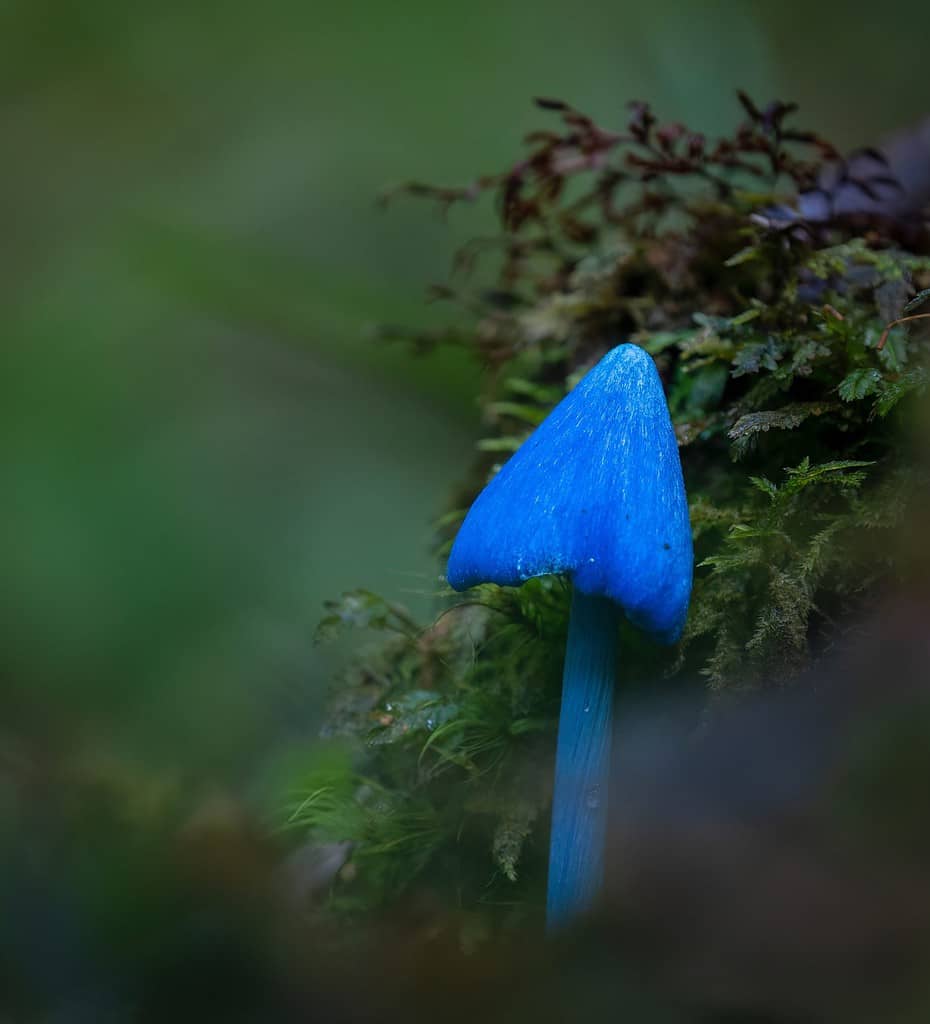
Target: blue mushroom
596, 493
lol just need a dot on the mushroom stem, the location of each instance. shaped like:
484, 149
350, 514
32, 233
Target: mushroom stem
582, 767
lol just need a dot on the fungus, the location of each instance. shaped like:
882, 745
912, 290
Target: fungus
595, 493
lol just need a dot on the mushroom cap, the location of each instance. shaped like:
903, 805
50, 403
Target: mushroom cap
595, 492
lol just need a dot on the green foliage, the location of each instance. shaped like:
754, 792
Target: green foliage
756, 604
859, 384
744, 430
362, 608
782, 369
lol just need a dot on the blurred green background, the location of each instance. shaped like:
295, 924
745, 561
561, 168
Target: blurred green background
201, 441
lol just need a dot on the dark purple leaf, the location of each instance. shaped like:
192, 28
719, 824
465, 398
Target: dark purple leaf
751, 109
546, 103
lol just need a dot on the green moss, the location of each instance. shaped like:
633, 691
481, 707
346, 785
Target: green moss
786, 388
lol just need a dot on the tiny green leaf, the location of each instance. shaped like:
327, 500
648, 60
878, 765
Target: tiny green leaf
859, 384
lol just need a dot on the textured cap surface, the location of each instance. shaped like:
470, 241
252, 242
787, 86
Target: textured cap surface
595, 492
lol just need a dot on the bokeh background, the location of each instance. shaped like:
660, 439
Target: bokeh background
201, 438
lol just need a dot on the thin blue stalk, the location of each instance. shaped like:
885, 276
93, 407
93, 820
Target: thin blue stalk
582, 766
